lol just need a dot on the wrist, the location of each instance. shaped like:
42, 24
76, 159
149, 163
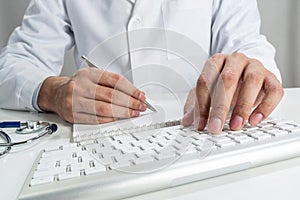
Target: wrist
49, 92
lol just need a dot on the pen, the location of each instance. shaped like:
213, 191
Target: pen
92, 64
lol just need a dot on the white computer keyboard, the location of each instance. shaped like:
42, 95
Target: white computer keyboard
151, 150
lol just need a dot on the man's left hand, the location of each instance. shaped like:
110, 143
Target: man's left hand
234, 81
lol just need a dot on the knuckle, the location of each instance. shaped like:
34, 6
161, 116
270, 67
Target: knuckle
275, 88
278, 90
104, 110
243, 108
90, 91
238, 55
281, 91
116, 78
267, 107
201, 83
109, 95
254, 77
255, 62
83, 72
218, 56
128, 113
220, 110
135, 104
229, 78
204, 110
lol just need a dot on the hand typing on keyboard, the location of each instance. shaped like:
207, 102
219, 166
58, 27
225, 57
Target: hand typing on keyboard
232, 80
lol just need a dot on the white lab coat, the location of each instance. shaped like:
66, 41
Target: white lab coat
158, 44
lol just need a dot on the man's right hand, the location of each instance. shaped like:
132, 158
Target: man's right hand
91, 96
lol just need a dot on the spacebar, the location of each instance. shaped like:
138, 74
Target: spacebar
160, 164
210, 174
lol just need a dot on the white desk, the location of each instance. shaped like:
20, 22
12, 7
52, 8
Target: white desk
275, 181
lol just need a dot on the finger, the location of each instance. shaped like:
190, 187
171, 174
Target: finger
117, 82
248, 93
190, 102
188, 118
117, 97
103, 109
91, 90
85, 118
224, 91
189, 106
204, 89
273, 94
200, 121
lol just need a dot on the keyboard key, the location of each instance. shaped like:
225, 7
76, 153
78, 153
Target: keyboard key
49, 173
279, 121
199, 142
167, 148
68, 175
274, 131
41, 180
120, 164
236, 135
225, 143
235, 132
243, 139
278, 132
249, 127
222, 134
190, 150
143, 159
99, 168
265, 125
220, 139
71, 147
162, 156
260, 136
288, 127
106, 160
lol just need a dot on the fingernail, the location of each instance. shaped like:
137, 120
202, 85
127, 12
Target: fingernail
143, 107
215, 125
135, 113
257, 118
142, 97
236, 123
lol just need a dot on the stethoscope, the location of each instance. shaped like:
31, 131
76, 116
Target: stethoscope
43, 128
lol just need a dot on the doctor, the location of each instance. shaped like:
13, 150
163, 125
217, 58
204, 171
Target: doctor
240, 73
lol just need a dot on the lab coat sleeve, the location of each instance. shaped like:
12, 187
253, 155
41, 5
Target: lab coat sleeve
236, 28
34, 52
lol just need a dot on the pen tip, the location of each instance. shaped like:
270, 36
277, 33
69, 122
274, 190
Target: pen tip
149, 106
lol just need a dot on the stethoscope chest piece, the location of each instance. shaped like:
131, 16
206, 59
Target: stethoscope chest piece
32, 127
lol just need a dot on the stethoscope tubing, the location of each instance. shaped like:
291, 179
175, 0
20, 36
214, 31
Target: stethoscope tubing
8, 140
11, 144
51, 128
